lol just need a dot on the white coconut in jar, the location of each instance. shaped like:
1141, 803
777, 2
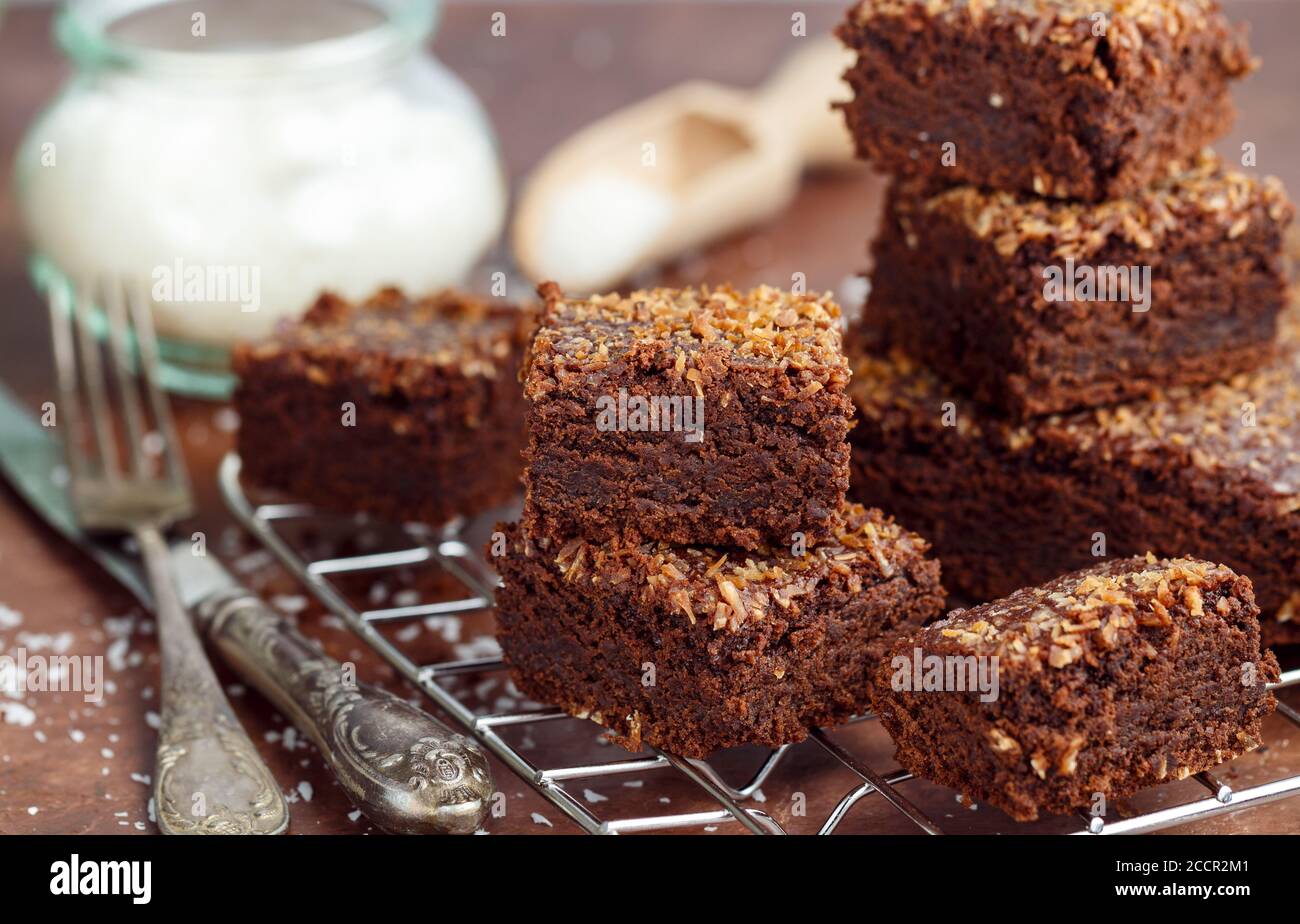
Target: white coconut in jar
236, 163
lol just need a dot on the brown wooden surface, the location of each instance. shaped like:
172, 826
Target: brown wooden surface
559, 66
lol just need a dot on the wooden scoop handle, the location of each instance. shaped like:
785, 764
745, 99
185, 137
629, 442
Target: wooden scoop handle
796, 101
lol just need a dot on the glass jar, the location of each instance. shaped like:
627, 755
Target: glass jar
231, 164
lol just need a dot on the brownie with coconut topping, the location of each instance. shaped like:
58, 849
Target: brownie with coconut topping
692, 649
1081, 99
1211, 471
1037, 306
695, 416
405, 408
1128, 674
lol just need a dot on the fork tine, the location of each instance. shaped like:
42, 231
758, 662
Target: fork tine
62, 325
148, 350
95, 384
123, 376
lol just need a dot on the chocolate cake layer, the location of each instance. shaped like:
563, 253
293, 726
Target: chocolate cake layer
692, 649
407, 409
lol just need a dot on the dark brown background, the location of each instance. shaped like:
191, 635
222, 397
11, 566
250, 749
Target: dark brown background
559, 66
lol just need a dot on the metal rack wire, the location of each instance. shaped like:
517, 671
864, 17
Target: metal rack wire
446, 549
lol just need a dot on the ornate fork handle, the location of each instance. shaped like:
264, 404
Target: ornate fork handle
209, 778
405, 770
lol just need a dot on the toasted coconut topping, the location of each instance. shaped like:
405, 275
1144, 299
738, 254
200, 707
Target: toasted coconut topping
703, 584
395, 340
1082, 615
1245, 431
1068, 22
1229, 199
765, 326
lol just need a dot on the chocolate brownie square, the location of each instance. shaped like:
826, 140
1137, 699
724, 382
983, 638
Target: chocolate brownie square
1036, 306
407, 409
694, 416
1098, 684
1081, 99
692, 649
1211, 471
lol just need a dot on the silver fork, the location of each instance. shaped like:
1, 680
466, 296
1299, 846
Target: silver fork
208, 778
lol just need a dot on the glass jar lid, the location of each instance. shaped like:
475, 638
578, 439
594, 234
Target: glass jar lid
244, 38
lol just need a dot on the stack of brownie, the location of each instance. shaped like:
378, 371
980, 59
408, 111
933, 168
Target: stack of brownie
687, 571
1075, 343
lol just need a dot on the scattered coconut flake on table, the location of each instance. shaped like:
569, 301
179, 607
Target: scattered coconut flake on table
10, 618
594, 797
484, 646
116, 654
448, 627
18, 714
119, 626
289, 603
226, 419
408, 633
253, 561
59, 643
539, 819
305, 789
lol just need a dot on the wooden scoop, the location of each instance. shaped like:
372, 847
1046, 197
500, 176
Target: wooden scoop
679, 169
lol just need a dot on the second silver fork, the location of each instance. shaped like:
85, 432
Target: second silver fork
209, 779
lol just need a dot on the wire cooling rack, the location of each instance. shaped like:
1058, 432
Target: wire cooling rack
447, 550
